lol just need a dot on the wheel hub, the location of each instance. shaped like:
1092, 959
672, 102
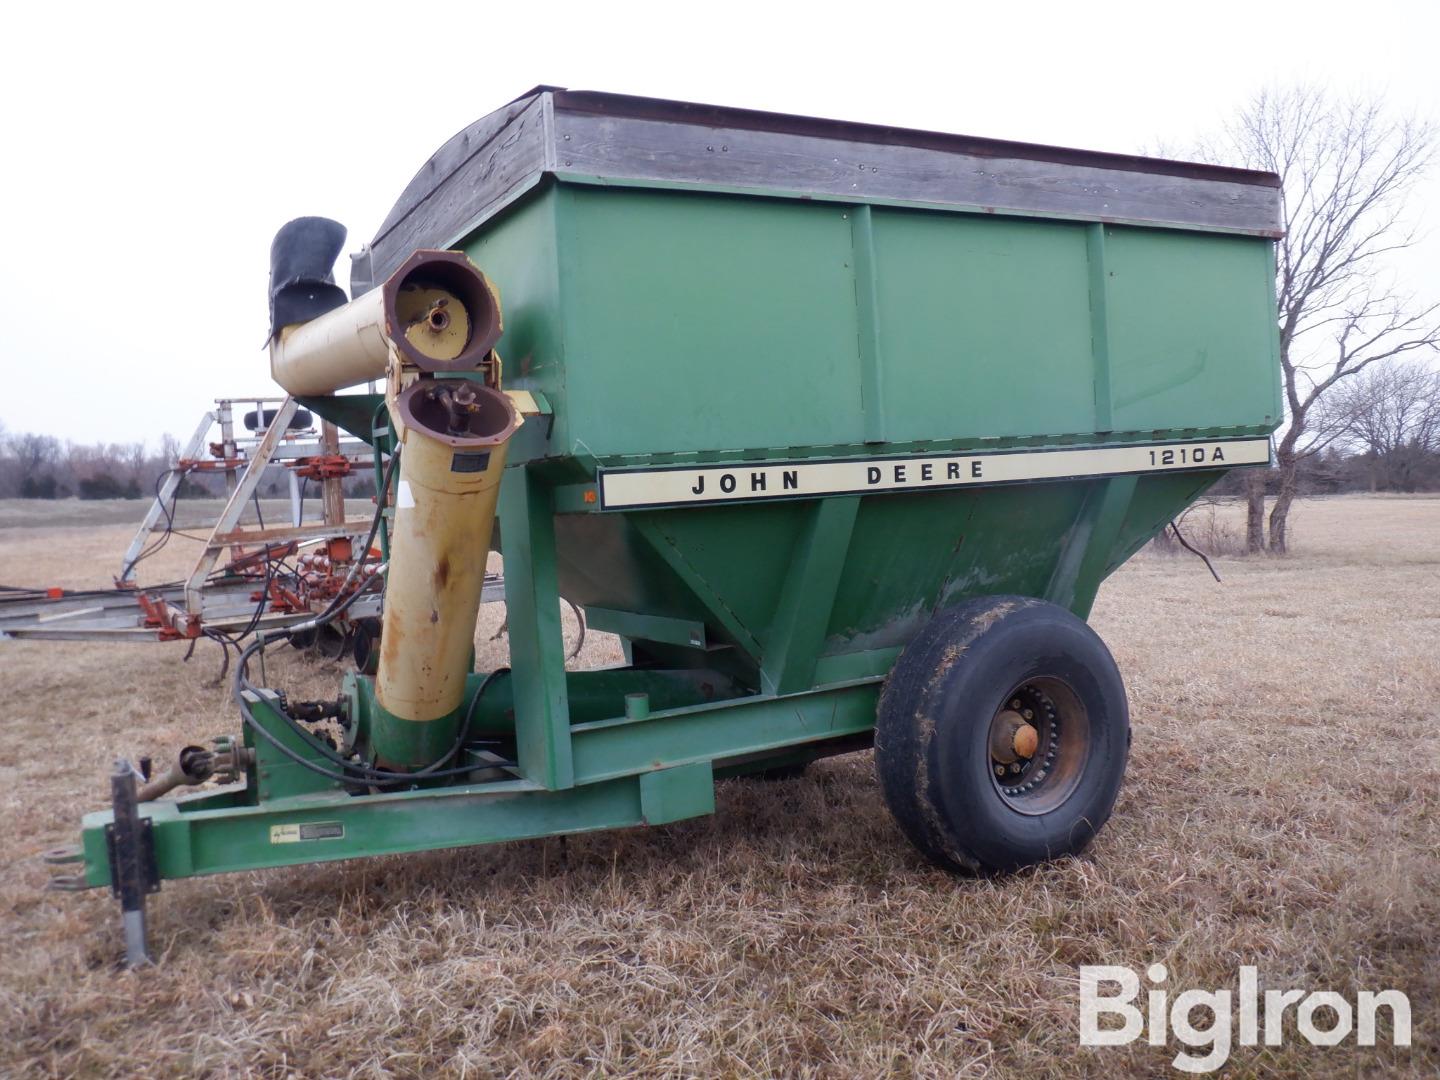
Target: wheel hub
1024, 742
1012, 738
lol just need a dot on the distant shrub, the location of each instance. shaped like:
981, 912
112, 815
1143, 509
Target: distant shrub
103, 486
39, 487
1206, 528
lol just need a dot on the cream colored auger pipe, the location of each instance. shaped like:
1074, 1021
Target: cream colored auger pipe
436, 314
437, 311
343, 347
444, 514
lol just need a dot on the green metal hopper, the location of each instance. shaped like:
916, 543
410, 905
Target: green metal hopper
810, 393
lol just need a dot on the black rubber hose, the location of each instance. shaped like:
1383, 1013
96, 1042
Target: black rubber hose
360, 772
169, 512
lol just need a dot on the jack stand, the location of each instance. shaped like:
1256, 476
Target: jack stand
134, 874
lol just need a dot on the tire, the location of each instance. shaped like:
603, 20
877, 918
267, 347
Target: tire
955, 707
255, 420
365, 647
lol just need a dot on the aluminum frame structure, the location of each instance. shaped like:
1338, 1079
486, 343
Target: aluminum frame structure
226, 601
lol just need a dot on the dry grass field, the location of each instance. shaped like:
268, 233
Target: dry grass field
1282, 809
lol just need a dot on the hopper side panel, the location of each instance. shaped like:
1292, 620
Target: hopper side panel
702, 323
1191, 330
984, 326
519, 254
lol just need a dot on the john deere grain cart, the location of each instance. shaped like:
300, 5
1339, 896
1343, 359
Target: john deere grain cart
838, 427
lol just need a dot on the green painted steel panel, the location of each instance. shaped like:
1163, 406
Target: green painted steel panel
912, 554
668, 795
708, 326
696, 322
1192, 330
673, 323
745, 550
734, 328
984, 326
520, 256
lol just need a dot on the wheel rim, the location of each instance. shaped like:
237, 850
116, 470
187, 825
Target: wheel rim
1039, 741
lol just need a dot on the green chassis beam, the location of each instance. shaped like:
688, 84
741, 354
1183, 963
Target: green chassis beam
628, 772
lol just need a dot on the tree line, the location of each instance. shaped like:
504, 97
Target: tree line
37, 466
42, 467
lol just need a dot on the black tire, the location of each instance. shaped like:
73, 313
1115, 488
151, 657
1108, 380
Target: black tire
366, 646
255, 420
974, 669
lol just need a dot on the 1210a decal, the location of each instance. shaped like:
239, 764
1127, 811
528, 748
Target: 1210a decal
1187, 455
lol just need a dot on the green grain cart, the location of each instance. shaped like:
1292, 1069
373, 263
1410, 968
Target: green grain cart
838, 427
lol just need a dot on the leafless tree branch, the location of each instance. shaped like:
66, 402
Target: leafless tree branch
1345, 167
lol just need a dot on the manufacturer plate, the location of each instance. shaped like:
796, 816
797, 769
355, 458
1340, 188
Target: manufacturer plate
309, 830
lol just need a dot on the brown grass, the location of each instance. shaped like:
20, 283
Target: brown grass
1282, 809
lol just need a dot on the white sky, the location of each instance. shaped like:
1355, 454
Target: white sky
150, 153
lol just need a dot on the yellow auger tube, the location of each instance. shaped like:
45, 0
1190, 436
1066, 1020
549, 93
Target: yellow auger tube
436, 316
454, 436
438, 312
341, 348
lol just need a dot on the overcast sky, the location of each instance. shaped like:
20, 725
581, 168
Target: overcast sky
150, 154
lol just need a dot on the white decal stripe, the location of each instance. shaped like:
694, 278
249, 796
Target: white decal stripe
802, 479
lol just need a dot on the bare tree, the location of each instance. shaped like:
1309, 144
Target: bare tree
36, 459
168, 453
1345, 169
1390, 412
36, 452
134, 464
